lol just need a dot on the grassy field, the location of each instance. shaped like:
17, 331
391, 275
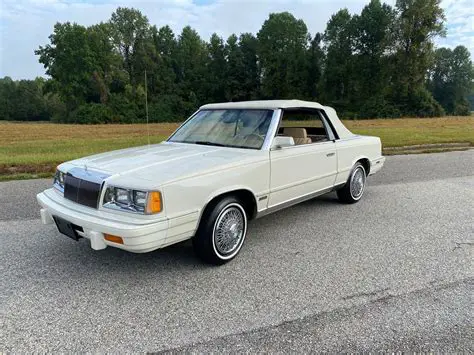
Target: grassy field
34, 149
413, 131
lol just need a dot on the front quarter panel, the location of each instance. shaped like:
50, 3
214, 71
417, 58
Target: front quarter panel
189, 196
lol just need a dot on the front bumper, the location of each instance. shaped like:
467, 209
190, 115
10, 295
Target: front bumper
138, 235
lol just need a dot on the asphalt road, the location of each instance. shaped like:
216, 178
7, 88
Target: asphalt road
391, 273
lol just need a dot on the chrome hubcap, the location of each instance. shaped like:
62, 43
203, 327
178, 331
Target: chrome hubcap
357, 183
229, 230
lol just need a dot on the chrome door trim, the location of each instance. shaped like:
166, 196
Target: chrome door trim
272, 130
293, 202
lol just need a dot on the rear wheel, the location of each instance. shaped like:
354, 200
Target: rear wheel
222, 231
353, 190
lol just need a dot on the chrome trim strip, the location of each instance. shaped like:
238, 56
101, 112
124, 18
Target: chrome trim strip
88, 175
301, 182
293, 202
184, 214
122, 207
182, 124
330, 130
353, 137
272, 130
308, 145
58, 186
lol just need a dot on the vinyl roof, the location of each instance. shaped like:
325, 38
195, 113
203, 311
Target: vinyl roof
264, 104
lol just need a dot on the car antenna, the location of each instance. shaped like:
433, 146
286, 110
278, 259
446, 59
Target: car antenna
146, 110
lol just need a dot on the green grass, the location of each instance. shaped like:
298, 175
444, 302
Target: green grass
397, 137
403, 137
45, 151
34, 149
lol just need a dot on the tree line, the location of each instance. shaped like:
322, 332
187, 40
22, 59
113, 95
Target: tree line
379, 63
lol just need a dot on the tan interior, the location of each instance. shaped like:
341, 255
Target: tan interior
299, 135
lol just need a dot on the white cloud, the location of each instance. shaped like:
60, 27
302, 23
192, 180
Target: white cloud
26, 24
460, 24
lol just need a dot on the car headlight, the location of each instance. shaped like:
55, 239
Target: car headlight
58, 182
145, 202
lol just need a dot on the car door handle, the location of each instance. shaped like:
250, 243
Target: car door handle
330, 154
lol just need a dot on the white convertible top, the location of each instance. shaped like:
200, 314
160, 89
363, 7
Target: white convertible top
264, 104
341, 130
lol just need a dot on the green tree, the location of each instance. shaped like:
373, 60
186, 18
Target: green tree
7, 95
451, 79
106, 62
235, 70
165, 102
80, 62
315, 68
418, 23
243, 76
283, 41
339, 73
69, 61
129, 31
217, 79
22, 100
164, 77
371, 43
379, 63
248, 45
192, 72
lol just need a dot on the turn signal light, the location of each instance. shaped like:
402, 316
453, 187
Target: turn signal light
154, 204
113, 238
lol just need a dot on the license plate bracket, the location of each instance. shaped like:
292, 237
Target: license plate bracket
67, 228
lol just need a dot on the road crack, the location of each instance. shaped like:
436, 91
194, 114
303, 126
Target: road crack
459, 245
365, 294
321, 316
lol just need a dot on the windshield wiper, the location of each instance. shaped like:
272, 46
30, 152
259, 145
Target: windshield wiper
241, 146
210, 143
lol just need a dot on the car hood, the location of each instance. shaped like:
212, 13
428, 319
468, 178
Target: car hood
165, 162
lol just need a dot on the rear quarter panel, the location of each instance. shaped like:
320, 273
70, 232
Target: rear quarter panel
350, 150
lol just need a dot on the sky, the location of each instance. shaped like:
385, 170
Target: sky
26, 24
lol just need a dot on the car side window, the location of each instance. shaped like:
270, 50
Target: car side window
305, 126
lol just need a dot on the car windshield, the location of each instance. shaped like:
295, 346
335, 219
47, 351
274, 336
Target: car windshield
226, 128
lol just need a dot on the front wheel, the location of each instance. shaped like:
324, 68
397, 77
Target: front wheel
222, 231
353, 190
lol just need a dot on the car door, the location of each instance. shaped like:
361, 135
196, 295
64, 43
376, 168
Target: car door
301, 170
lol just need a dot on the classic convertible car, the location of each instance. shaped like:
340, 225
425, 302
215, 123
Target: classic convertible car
227, 164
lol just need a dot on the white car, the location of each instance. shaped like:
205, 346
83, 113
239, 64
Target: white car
227, 164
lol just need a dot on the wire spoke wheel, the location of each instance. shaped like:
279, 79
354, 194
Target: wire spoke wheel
229, 230
357, 183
